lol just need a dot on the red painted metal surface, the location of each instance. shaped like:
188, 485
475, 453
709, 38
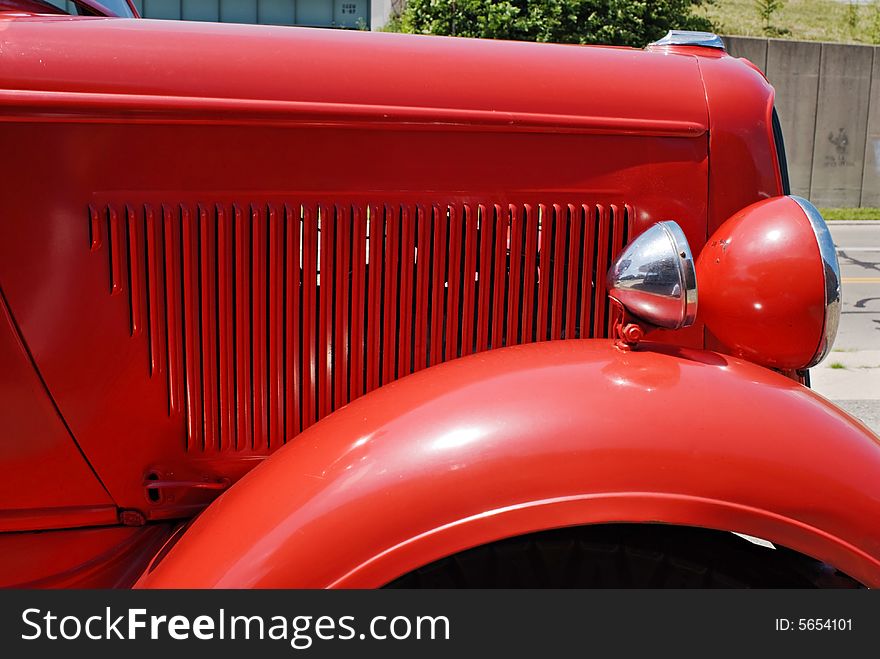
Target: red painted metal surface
233, 249
511, 441
109, 557
46, 482
745, 166
377, 78
222, 348
762, 286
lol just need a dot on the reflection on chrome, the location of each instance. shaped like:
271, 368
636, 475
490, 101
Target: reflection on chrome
654, 278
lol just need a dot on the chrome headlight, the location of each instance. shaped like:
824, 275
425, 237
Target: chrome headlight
654, 278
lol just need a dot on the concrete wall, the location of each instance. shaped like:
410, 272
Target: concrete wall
830, 115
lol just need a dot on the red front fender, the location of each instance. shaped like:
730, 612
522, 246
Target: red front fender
538, 436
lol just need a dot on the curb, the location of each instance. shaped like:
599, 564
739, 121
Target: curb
853, 223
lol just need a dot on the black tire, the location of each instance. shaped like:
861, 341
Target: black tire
626, 556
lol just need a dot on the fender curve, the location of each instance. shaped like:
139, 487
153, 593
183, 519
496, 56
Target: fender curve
540, 436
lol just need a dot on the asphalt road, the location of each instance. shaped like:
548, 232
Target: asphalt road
850, 374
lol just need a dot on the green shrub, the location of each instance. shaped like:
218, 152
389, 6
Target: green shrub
852, 15
617, 22
874, 28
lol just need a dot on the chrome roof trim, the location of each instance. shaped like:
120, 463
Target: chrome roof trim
690, 38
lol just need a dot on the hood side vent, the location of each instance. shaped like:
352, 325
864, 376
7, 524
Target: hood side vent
262, 318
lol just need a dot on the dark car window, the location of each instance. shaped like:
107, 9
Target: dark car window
780, 153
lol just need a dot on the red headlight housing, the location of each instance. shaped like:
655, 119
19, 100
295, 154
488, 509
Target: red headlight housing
770, 284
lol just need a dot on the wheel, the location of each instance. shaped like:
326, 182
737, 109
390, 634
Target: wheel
626, 556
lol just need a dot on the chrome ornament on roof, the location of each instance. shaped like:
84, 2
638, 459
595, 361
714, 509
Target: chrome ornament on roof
690, 38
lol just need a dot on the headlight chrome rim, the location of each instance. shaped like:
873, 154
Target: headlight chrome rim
687, 271
831, 273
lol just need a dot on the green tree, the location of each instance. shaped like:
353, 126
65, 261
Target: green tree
616, 22
766, 9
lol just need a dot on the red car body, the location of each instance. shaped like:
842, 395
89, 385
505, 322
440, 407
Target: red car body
214, 238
